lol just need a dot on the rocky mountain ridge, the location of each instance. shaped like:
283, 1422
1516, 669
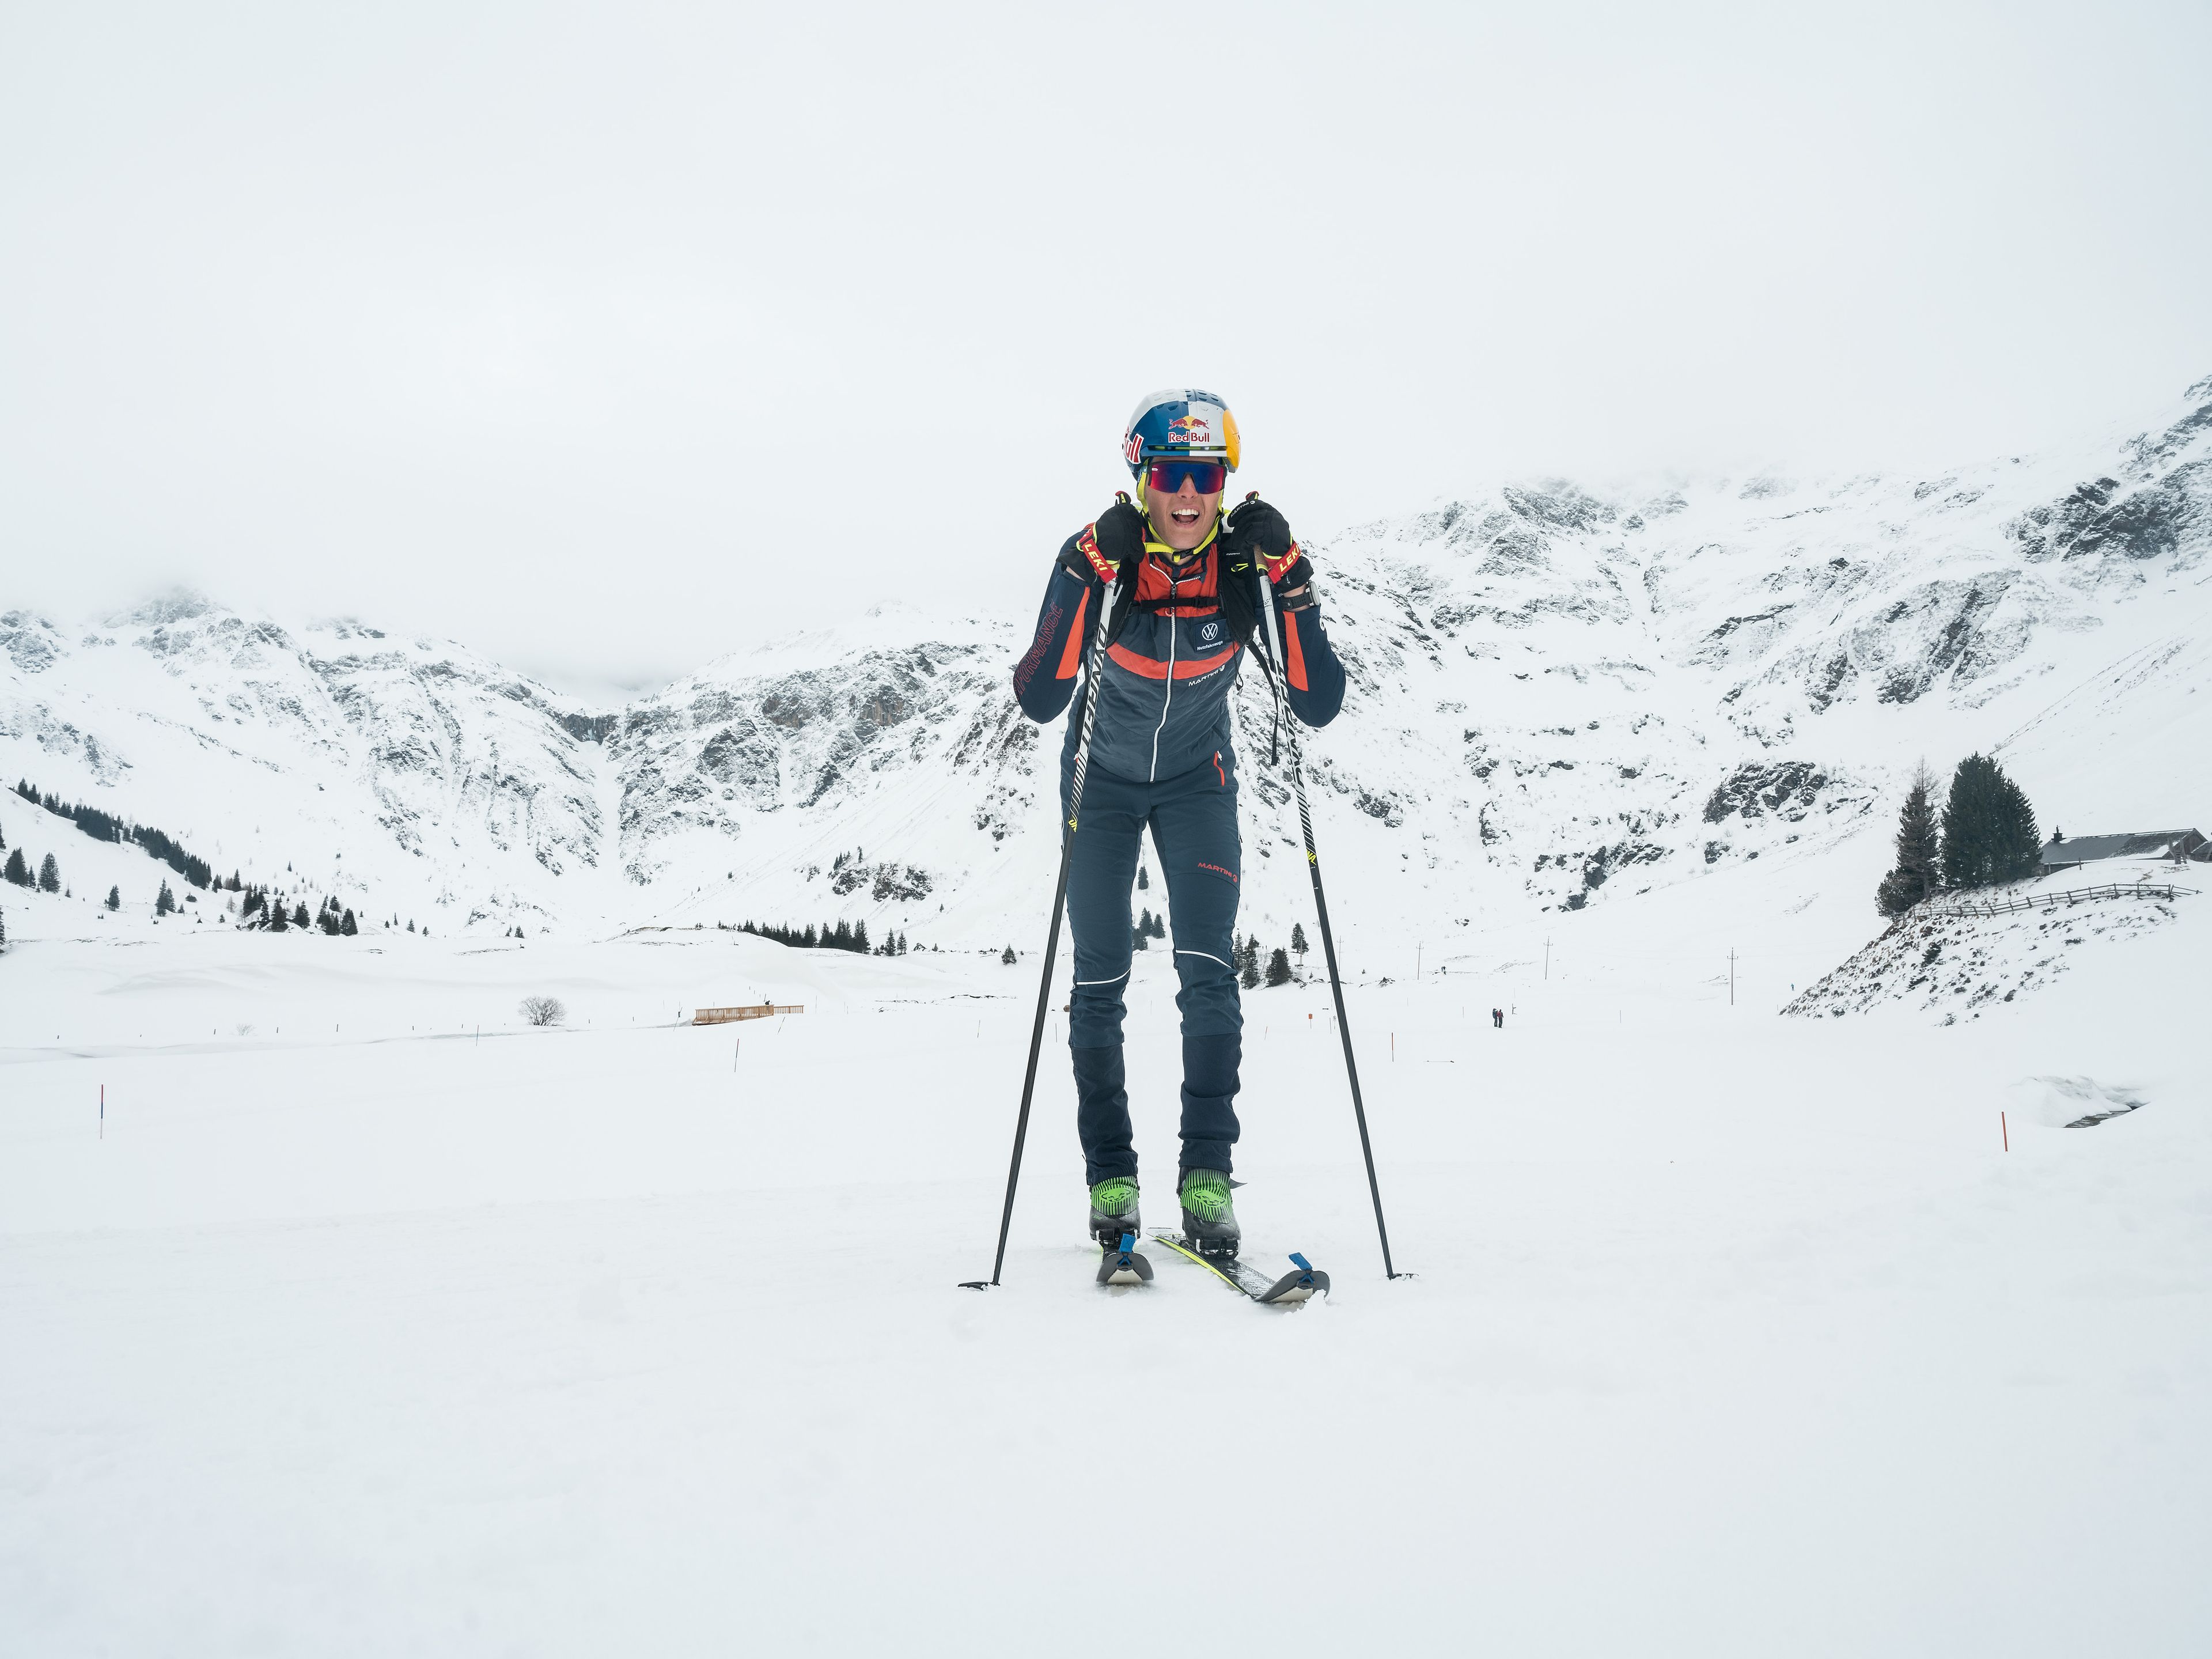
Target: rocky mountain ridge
1558, 697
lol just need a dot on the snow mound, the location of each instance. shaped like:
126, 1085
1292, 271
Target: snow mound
2074, 1102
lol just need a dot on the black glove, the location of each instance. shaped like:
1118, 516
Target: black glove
1258, 529
1106, 548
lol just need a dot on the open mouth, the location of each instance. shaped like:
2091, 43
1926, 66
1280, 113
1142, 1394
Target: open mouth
1184, 515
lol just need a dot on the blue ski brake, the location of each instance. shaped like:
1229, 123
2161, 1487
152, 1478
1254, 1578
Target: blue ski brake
1124, 1265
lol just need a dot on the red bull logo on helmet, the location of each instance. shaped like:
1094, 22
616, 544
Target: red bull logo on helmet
1189, 429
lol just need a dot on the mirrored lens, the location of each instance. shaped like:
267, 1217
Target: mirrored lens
1206, 478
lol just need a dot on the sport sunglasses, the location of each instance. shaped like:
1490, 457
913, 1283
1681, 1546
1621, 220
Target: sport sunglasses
1206, 478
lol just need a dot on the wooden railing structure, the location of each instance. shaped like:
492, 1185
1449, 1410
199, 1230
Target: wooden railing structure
751, 1011
1957, 907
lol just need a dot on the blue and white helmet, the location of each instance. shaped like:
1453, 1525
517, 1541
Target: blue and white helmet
1180, 423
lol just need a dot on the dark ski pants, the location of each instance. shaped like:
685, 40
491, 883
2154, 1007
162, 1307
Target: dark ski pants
1192, 819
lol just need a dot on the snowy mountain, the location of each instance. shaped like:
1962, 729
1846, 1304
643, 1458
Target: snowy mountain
1561, 695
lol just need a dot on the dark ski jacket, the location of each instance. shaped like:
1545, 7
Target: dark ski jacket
1175, 649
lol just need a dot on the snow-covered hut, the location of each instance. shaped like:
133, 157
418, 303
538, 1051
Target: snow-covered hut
2062, 851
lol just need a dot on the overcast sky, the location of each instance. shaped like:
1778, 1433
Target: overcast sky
608, 338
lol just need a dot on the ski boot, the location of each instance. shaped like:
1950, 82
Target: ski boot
1209, 1219
1114, 1211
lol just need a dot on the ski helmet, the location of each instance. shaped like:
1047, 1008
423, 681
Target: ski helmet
1180, 423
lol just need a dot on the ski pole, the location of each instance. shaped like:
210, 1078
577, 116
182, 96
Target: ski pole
1290, 730
1097, 666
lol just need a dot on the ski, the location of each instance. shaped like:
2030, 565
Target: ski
1124, 1265
1305, 1282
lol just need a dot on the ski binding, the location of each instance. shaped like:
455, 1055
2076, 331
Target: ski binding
1122, 1265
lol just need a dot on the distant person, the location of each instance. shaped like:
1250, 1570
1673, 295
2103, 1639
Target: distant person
1182, 579
1498, 1017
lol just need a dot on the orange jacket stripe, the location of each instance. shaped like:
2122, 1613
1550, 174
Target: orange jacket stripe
1072, 657
1188, 668
1294, 657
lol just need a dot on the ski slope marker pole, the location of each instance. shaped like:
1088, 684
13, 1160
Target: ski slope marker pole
1290, 730
1096, 667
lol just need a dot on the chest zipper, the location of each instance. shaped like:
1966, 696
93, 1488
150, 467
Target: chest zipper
1167, 693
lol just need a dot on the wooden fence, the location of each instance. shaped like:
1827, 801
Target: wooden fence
2039, 901
751, 1011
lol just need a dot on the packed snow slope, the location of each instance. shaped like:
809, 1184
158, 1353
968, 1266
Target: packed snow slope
368, 1322
1561, 694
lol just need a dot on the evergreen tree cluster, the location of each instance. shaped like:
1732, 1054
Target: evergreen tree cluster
842, 936
261, 910
1254, 963
1985, 835
105, 826
1146, 928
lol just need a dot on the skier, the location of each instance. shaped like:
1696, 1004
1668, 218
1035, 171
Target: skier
1181, 578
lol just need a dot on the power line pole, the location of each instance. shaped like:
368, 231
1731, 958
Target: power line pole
1731, 977
1547, 956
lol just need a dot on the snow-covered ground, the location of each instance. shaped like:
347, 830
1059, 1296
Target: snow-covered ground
359, 1333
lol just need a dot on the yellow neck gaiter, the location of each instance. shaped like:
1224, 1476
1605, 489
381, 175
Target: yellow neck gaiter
1153, 545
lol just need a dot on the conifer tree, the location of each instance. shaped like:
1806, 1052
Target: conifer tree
1988, 828
299, 914
15, 870
277, 924
349, 926
165, 900
1009, 957
1249, 978
50, 875
1298, 939
1278, 967
115, 898
1144, 878
1919, 853
1139, 938
860, 937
